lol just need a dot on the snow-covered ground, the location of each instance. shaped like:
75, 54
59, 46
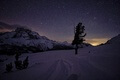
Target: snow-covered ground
91, 63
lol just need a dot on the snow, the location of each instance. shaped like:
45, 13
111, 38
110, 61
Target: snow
91, 63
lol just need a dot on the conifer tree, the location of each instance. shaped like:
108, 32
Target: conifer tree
9, 67
79, 36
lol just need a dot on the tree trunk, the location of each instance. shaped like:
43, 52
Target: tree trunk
76, 49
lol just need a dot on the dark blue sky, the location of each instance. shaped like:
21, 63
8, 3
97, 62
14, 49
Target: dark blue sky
56, 18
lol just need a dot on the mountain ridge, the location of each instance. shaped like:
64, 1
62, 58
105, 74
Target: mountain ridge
26, 40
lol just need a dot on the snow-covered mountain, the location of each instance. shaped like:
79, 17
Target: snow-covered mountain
25, 40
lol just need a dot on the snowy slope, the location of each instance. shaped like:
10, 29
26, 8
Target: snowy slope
91, 63
114, 40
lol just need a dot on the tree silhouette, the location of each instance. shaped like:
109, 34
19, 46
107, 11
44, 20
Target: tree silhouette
9, 67
25, 63
79, 36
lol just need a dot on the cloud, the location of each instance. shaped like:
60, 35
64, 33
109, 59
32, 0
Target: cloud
4, 27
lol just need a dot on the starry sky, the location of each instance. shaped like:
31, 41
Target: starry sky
56, 19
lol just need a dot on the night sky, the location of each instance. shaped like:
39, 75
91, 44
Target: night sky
56, 18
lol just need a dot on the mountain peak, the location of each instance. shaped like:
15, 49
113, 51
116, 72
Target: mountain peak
19, 29
25, 33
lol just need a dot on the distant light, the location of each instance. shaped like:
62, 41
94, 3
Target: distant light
97, 41
95, 44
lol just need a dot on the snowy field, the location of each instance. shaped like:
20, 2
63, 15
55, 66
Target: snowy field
91, 63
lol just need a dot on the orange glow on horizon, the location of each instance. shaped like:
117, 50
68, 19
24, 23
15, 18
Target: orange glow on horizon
97, 41
95, 44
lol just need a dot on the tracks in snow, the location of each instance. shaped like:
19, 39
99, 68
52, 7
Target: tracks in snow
59, 70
